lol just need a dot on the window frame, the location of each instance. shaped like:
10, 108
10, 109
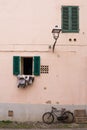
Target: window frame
22, 65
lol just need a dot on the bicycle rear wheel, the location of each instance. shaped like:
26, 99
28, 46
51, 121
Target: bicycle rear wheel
68, 117
48, 118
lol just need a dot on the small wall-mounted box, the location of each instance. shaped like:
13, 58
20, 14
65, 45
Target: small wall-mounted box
10, 113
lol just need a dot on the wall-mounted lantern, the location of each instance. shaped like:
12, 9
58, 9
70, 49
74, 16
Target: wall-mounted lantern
55, 31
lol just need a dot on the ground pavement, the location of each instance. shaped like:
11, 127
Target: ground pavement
49, 129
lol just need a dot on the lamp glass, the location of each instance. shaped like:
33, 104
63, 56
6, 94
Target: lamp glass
55, 35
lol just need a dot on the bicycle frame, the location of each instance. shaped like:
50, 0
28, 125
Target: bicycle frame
56, 112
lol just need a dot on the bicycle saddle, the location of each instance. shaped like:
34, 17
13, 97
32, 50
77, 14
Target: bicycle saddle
54, 108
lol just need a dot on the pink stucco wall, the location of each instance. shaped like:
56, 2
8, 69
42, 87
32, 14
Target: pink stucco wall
25, 30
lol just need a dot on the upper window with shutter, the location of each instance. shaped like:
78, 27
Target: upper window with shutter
70, 19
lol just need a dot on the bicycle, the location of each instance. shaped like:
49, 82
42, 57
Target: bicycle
61, 115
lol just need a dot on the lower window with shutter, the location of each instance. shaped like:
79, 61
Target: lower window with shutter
26, 65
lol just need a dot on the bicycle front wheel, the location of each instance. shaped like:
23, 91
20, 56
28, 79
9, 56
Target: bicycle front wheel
68, 117
48, 118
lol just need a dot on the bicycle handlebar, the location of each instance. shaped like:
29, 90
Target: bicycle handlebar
62, 109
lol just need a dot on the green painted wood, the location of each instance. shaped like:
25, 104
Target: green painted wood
37, 65
70, 19
16, 65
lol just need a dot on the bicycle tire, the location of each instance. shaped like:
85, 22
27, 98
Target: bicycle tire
69, 117
48, 118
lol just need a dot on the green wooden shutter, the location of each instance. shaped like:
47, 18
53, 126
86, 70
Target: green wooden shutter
75, 19
70, 19
37, 65
65, 19
16, 65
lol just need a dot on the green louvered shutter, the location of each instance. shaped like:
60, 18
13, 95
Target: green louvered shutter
37, 65
65, 19
16, 65
70, 19
75, 19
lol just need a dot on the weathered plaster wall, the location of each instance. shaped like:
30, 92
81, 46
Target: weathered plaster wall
25, 30
31, 22
64, 84
30, 112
